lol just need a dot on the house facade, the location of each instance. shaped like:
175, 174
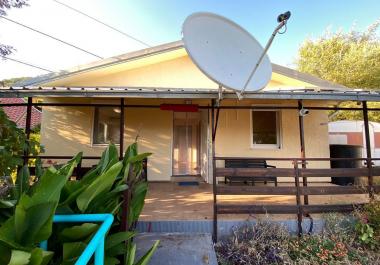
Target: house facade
176, 127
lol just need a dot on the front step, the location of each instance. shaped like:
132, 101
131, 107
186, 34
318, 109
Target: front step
187, 179
178, 248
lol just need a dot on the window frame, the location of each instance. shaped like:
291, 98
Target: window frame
93, 130
278, 131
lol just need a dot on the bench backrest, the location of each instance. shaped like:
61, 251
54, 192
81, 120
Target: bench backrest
245, 163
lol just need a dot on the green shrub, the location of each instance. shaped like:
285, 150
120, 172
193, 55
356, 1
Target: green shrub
368, 225
28, 216
32, 220
13, 144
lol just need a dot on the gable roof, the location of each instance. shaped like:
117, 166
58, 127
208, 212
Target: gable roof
18, 113
157, 50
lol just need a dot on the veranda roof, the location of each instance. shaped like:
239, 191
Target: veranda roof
315, 93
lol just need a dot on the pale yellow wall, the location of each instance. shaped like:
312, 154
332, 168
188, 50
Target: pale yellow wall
68, 130
175, 73
234, 134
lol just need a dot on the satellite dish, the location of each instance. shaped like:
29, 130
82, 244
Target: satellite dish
225, 52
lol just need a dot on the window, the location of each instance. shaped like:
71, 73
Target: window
106, 125
265, 129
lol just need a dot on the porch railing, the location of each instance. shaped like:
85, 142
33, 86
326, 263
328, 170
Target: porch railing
300, 189
96, 244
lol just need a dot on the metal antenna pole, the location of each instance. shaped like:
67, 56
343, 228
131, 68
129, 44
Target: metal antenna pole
283, 18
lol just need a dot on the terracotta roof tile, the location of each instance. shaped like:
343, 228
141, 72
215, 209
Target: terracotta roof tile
18, 113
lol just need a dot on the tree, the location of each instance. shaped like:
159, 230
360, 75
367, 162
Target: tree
349, 58
12, 81
4, 5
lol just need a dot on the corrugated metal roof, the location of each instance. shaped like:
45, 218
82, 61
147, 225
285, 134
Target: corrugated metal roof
319, 93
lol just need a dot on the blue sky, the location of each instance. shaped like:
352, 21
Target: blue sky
159, 21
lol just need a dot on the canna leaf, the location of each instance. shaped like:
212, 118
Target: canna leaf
19, 257
146, 258
79, 232
102, 184
117, 238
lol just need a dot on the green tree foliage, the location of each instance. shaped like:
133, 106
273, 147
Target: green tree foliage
349, 58
13, 143
12, 81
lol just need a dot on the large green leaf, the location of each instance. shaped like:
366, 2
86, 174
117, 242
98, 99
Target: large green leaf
138, 158
22, 181
40, 257
111, 261
38, 223
109, 158
117, 238
32, 222
79, 232
146, 258
102, 184
72, 251
51, 183
74, 194
99, 204
137, 202
131, 254
118, 250
19, 221
19, 258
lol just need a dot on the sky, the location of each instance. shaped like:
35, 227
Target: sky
159, 21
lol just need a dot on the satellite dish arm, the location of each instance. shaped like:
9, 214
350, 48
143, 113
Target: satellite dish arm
282, 19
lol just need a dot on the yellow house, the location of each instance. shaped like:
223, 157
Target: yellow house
167, 103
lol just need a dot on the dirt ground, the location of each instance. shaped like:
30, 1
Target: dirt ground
168, 201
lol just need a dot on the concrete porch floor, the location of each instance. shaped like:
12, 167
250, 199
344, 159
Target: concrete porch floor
169, 201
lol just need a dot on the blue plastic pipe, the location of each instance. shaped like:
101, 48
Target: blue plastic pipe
96, 245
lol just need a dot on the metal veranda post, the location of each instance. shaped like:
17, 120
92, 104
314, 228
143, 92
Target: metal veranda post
213, 134
368, 149
302, 146
28, 121
121, 129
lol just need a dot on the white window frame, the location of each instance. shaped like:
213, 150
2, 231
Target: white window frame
278, 132
93, 132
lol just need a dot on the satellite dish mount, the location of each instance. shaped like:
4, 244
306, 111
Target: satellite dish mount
282, 19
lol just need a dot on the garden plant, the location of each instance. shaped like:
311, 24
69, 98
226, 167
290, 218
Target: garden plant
32, 202
346, 239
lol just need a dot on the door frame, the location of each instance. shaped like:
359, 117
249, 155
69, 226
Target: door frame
199, 149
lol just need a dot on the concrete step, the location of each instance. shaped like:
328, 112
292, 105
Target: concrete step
178, 248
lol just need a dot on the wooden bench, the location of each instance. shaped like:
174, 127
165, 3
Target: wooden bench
248, 163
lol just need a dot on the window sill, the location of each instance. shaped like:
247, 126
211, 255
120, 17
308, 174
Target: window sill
266, 147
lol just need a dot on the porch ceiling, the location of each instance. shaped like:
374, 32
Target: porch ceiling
320, 93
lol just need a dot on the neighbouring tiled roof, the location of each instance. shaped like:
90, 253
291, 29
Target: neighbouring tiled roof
18, 113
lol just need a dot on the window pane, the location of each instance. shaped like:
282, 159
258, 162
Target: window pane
264, 127
106, 125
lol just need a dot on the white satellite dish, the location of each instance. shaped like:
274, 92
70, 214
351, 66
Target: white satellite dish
227, 53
